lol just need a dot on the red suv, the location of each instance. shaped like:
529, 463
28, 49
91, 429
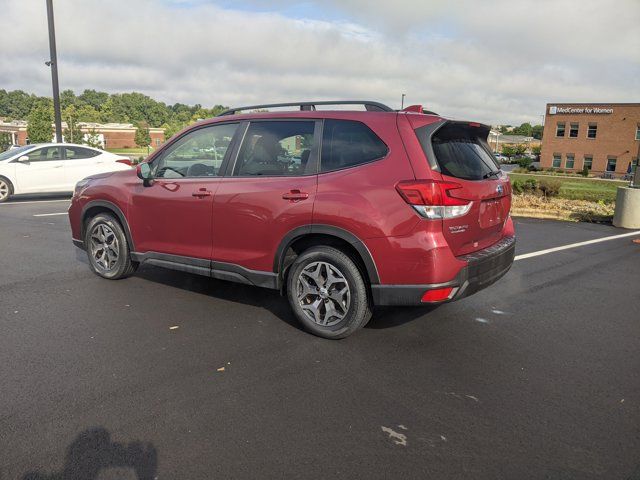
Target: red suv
342, 210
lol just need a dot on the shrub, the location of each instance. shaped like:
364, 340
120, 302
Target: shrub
524, 162
517, 186
529, 185
549, 188
585, 171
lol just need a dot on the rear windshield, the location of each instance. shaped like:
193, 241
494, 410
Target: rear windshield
461, 150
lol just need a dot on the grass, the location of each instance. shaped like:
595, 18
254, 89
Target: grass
130, 151
575, 188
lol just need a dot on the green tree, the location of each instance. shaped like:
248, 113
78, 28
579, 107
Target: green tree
39, 129
508, 151
524, 129
536, 151
5, 141
92, 139
72, 133
537, 132
93, 98
520, 149
87, 113
142, 137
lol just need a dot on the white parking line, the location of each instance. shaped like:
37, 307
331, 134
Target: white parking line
10, 204
50, 214
574, 245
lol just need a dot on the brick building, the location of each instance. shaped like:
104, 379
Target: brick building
111, 135
603, 136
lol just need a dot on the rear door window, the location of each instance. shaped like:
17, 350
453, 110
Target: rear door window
460, 150
276, 149
79, 153
347, 143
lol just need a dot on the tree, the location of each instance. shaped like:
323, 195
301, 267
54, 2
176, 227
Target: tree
72, 133
508, 151
537, 132
39, 129
92, 138
524, 129
520, 149
93, 98
536, 151
5, 141
142, 137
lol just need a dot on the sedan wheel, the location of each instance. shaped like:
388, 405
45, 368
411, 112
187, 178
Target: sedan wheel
5, 190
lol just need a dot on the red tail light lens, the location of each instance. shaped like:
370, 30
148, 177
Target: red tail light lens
438, 295
433, 199
125, 161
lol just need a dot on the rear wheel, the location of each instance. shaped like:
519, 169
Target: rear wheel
107, 248
328, 293
6, 189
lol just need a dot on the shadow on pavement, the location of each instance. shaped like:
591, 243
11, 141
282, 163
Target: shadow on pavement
92, 452
271, 300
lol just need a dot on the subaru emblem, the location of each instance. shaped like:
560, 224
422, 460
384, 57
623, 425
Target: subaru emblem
499, 189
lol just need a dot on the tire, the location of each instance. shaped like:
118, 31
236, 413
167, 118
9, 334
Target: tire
323, 307
105, 234
6, 189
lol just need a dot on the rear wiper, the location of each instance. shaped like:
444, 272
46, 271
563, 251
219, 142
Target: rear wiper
495, 173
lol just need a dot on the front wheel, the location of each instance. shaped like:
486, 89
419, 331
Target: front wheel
107, 248
327, 293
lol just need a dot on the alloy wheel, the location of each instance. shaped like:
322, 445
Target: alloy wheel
323, 293
4, 190
104, 247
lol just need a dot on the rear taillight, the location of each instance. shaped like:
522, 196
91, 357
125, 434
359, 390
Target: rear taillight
439, 294
125, 161
432, 198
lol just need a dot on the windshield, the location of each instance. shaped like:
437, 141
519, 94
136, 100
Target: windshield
16, 151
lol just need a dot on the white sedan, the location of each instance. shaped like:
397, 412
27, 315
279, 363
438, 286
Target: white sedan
53, 167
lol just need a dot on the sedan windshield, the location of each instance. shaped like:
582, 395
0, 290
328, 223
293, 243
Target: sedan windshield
16, 151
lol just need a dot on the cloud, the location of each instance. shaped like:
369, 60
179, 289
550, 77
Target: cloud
496, 61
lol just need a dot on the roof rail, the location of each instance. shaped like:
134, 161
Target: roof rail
310, 106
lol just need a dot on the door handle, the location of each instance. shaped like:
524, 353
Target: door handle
203, 192
295, 195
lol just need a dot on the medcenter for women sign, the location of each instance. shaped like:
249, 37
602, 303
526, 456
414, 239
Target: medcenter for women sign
553, 110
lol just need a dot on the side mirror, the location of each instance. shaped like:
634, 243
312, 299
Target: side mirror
143, 170
24, 159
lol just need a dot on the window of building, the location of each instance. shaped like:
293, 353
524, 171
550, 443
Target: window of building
588, 161
592, 130
560, 129
557, 160
347, 143
199, 153
573, 130
611, 164
638, 132
570, 161
157, 142
276, 149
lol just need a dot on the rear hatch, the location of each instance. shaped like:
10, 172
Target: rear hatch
459, 151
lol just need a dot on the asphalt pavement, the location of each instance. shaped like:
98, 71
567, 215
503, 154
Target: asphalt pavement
173, 376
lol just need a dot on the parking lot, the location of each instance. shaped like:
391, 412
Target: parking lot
169, 375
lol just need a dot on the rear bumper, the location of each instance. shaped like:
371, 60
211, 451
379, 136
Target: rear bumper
483, 268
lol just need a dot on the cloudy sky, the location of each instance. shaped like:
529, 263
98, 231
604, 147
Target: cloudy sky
496, 61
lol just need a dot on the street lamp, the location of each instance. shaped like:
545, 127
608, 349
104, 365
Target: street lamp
402, 101
53, 64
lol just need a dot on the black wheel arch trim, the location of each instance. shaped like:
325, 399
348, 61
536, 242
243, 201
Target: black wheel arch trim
355, 242
115, 210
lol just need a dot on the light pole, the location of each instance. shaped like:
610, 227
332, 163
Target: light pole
53, 63
402, 101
